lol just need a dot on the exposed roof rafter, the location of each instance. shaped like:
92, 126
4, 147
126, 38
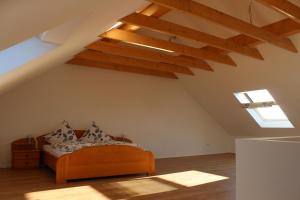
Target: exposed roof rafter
152, 10
198, 9
181, 31
135, 38
284, 27
110, 52
283, 6
122, 68
123, 50
121, 60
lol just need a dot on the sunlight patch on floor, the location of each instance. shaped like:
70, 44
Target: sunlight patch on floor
130, 188
191, 178
71, 193
145, 186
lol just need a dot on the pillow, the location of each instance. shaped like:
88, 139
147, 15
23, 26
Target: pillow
94, 135
62, 135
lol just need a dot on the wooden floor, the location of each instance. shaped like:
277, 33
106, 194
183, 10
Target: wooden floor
196, 178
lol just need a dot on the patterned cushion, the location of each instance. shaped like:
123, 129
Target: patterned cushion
94, 135
62, 135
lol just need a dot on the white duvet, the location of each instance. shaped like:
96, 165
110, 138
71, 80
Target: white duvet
59, 149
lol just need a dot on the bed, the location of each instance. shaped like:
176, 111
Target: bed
97, 161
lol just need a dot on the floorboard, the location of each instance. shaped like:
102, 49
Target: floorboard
196, 177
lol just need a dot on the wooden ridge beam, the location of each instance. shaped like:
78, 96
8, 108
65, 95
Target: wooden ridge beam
181, 31
139, 53
135, 38
121, 60
284, 27
198, 9
121, 68
283, 6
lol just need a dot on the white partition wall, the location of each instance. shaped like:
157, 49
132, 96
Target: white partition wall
268, 169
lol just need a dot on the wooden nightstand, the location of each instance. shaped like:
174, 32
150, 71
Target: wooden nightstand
25, 155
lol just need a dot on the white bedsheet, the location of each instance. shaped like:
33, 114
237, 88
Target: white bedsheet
55, 152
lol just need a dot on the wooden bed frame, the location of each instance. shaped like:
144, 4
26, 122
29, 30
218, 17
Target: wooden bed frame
98, 161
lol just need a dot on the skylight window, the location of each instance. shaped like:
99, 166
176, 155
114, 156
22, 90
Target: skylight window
22, 53
262, 107
19, 54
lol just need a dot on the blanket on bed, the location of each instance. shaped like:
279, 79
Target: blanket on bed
76, 145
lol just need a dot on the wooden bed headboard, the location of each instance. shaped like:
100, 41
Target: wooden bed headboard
41, 140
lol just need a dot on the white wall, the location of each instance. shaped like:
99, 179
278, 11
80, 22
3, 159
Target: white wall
268, 169
155, 112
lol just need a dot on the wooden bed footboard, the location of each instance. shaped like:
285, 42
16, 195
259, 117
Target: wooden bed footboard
106, 160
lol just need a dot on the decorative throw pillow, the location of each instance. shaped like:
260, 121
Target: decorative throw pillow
62, 135
94, 135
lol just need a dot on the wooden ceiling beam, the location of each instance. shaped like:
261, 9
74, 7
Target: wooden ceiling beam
122, 68
135, 38
153, 10
198, 9
287, 8
181, 31
139, 53
284, 27
121, 60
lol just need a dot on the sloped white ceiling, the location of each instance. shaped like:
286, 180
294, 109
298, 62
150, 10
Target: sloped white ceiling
279, 73
22, 19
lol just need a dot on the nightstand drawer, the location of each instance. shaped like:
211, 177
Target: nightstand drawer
26, 155
25, 163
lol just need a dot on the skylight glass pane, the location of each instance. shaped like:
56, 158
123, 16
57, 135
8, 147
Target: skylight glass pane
269, 123
267, 117
241, 97
22, 53
258, 96
272, 113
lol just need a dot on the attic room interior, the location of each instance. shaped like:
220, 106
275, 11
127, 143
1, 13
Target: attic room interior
149, 99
